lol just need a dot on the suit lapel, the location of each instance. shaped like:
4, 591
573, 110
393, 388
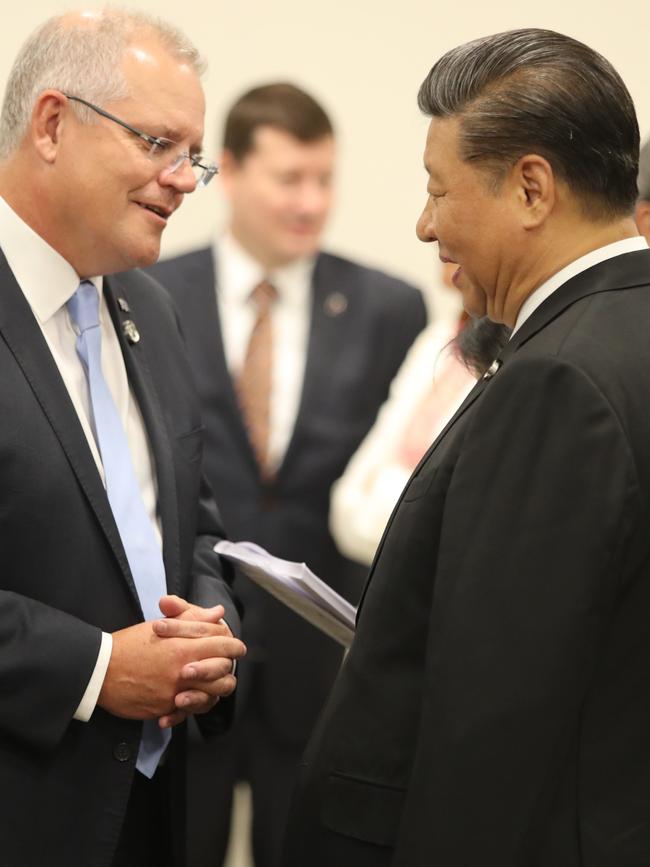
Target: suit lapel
328, 313
28, 346
213, 355
474, 394
143, 388
620, 272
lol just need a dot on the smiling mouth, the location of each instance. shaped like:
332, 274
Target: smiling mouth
164, 213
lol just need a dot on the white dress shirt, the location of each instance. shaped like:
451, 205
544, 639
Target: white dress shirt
237, 274
364, 497
627, 245
48, 282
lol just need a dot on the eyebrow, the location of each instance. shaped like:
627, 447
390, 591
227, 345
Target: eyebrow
175, 136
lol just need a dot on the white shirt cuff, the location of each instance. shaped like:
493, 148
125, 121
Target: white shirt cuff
90, 696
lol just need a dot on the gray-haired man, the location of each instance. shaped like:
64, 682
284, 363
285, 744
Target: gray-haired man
102, 506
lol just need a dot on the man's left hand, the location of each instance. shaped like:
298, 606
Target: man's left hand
207, 679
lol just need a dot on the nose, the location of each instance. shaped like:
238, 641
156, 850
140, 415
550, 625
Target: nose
424, 226
314, 199
180, 177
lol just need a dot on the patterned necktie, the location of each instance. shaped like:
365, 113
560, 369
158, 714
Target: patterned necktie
254, 382
134, 524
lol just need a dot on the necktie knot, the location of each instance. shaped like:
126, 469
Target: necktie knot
83, 307
263, 296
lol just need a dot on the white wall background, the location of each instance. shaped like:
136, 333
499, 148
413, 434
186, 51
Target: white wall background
365, 60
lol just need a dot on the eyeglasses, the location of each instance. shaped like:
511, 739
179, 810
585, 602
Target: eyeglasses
159, 147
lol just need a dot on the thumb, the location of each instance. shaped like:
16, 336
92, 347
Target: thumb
172, 606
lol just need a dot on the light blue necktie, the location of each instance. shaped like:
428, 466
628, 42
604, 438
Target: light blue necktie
134, 524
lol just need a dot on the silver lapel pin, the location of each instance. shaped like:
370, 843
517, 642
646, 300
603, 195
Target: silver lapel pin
130, 331
123, 305
492, 369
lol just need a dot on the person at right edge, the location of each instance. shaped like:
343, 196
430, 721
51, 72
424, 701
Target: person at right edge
494, 708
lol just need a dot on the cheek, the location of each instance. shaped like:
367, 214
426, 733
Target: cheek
270, 206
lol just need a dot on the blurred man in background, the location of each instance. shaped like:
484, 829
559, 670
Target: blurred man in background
293, 351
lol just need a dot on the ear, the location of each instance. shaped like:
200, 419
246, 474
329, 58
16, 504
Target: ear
47, 123
536, 189
642, 218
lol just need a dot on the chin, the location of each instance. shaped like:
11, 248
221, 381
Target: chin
144, 257
304, 248
474, 302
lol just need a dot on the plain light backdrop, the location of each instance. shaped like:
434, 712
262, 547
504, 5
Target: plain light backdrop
364, 59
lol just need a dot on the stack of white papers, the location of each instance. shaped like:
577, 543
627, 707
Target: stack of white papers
295, 586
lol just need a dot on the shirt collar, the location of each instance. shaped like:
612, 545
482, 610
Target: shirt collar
46, 279
627, 245
239, 273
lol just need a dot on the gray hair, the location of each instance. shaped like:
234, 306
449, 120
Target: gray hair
537, 91
82, 57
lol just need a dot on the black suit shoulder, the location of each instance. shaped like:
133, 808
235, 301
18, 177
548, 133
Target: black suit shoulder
385, 291
186, 277
368, 278
146, 290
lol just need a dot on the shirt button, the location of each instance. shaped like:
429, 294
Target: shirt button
122, 752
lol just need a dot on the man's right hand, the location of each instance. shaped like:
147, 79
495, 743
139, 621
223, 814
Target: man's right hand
144, 673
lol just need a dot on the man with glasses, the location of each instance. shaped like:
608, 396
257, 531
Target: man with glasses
103, 510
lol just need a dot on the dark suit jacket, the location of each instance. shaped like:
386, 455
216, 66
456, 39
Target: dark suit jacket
495, 706
65, 577
352, 357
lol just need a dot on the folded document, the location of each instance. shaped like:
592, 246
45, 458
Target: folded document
295, 586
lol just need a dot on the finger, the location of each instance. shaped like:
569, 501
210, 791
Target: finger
189, 699
195, 701
172, 719
174, 606
174, 628
222, 646
207, 670
202, 647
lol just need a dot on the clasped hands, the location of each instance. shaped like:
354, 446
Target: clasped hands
173, 667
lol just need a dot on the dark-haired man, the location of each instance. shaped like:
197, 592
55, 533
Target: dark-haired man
293, 351
495, 705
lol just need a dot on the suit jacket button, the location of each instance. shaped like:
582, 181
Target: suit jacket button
122, 752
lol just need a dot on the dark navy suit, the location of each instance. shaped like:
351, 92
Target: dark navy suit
355, 348
65, 577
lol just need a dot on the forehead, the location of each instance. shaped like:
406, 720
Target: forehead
280, 147
164, 87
